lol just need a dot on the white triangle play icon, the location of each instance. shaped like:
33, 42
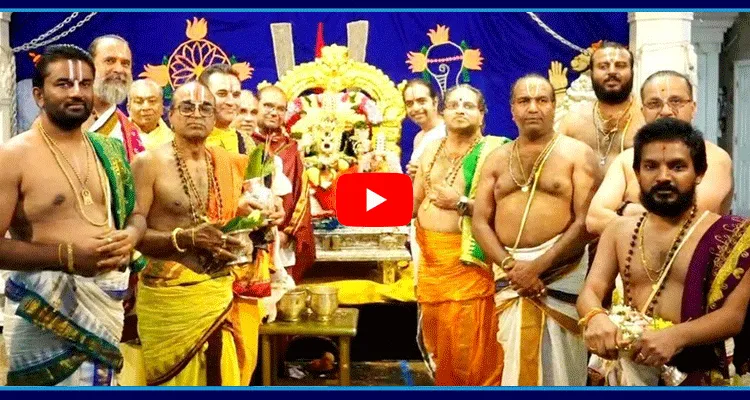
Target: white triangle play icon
373, 200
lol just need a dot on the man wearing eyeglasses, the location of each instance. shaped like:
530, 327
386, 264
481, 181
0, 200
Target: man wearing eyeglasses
296, 241
190, 329
665, 94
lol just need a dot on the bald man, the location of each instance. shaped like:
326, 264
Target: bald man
665, 94
192, 330
146, 106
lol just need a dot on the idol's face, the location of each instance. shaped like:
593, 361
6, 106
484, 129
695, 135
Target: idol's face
667, 178
668, 96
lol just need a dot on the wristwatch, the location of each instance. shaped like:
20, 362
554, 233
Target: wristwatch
463, 206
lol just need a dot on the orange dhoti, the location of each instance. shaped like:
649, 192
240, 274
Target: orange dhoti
458, 324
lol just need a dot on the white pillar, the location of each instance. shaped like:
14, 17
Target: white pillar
7, 79
707, 36
659, 41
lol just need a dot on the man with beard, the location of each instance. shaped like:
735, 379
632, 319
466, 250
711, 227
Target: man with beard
665, 94
679, 264
609, 125
529, 219
146, 106
457, 323
224, 83
114, 75
68, 202
192, 329
296, 241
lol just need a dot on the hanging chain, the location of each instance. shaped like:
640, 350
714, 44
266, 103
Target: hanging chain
555, 34
40, 42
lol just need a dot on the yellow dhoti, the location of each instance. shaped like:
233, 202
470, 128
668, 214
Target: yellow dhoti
185, 327
457, 323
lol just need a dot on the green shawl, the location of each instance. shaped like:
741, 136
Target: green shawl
471, 253
111, 152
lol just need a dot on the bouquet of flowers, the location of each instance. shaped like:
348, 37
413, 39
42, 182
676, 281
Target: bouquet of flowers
622, 372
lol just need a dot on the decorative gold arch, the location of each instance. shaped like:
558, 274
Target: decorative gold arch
334, 71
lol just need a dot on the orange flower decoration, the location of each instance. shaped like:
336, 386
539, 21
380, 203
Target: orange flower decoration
157, 73
196, 30
473, 59
417, 61
243, 69
439, 35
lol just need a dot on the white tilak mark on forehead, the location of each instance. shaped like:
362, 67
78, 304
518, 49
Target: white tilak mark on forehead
70, 71
80, 70
609, 53
528, 88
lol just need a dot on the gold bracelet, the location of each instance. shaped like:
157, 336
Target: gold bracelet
174, 240
583, 322
505, 262
71, 260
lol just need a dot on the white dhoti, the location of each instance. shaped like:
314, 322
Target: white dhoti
539, 336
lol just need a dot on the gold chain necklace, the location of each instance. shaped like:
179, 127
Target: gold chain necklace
517, 152
607, 136
188, 185
85, 192
102, 178
452, 174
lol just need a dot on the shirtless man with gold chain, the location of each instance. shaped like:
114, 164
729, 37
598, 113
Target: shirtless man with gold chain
455, 298
609, 126
529, 219
68, 201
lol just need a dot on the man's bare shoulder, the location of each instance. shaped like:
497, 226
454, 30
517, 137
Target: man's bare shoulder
574, 148
715, 154
17, 149
498, 157
156, 157
621, 228
429, 151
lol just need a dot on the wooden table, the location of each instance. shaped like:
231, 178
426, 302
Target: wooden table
343, 326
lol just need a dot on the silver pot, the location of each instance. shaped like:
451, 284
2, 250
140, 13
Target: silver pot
244, 252
292, 304
324, 300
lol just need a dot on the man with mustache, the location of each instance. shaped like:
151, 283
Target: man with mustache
678, 263
114, 75
69, 205
192, 329
609, 125
224, 83
246, 120
529, 219
146, 106
296, 241
457, 323
665, 94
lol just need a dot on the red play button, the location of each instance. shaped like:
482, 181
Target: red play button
374, 199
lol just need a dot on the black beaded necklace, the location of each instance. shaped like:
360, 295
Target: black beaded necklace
670, 256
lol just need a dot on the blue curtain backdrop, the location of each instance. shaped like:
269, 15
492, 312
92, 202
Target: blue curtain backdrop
512, 44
